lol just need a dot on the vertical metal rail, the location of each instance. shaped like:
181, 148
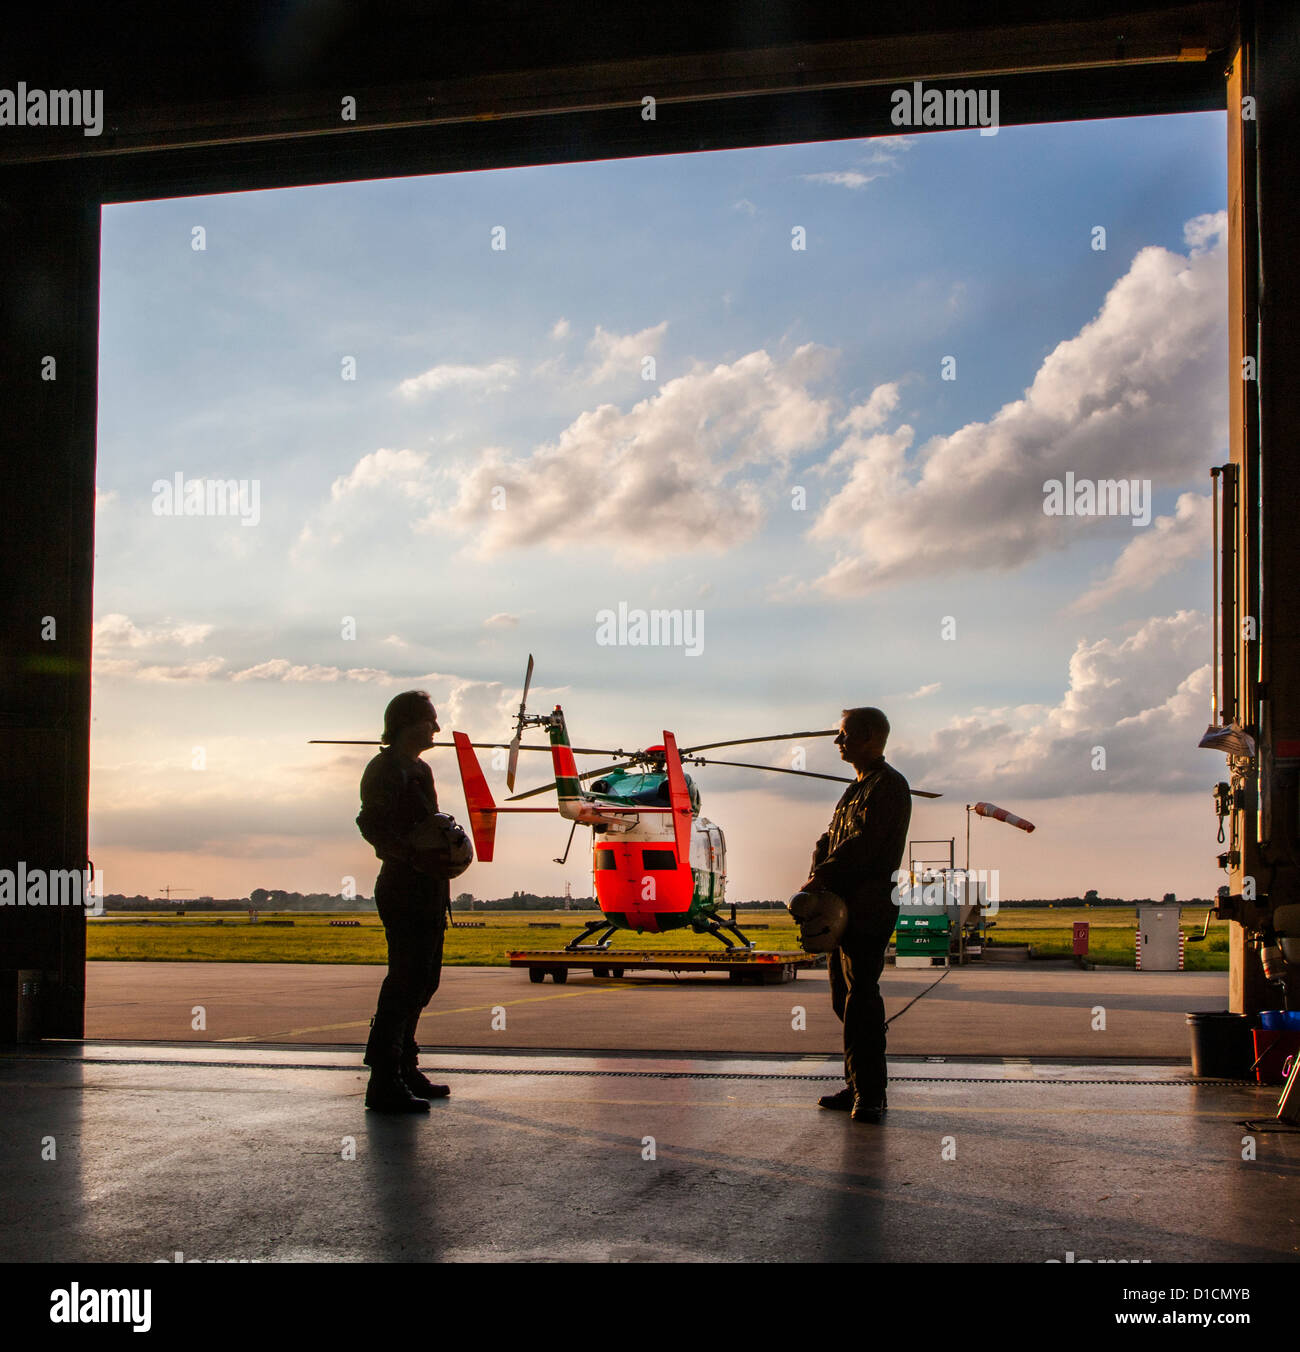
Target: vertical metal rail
1216, 628
1225, 639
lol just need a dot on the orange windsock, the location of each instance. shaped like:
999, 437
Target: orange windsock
1002, 815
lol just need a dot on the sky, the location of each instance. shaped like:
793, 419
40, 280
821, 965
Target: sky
473, 411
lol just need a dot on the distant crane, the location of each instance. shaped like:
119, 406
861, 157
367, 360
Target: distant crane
168, 890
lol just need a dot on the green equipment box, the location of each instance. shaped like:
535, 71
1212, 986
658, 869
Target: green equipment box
923, 934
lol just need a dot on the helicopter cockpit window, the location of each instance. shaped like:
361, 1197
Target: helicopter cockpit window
658, 859
604, 858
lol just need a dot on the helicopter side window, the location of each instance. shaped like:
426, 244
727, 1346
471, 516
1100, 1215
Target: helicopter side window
658, 859
605, 859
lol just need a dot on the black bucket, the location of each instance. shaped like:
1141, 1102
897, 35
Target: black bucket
1222, 1046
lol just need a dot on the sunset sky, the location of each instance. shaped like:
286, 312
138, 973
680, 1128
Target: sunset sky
853, 527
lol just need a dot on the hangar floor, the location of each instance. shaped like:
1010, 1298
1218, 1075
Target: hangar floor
234, 1154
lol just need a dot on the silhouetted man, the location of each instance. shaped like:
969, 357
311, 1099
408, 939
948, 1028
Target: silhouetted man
397, 794
857, 858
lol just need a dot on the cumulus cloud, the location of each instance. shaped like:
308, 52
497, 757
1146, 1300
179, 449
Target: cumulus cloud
867, 417
120, 631
482, 707
560, 329
487, 377
501, 620
133, 669
365, 498
619, 354
405, 471
1153, 554
1144, 698
672, 466
845, 178
882, 159
1138, 393
216, 668
281, 669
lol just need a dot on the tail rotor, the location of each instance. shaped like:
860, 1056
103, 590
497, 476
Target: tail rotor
513, 762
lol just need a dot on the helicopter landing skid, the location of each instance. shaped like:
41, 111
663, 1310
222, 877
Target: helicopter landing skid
592, 927
716, 925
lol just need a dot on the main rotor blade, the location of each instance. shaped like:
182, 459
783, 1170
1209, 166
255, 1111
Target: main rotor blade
528, 680
775, 769
488, 746
745, 741
701, 760
781, 770
586, 774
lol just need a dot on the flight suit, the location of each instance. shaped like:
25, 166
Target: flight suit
857, 858
396, 795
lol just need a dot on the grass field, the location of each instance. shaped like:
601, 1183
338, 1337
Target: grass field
311, 938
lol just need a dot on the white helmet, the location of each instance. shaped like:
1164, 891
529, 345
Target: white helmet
823, 918
445, 849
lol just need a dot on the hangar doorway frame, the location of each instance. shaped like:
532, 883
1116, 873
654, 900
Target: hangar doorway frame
1125, 60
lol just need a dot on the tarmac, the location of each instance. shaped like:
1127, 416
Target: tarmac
1037, 1010
125, 1152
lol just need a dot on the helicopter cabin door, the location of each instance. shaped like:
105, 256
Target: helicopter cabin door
717, 864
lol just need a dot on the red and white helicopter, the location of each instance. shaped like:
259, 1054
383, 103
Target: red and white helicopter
658, 864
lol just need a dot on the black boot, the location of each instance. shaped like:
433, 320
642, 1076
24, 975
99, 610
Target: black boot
418, 1084
387, 1093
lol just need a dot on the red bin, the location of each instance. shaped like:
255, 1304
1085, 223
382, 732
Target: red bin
1272, 1047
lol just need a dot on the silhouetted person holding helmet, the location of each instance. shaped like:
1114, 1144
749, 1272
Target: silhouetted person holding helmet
397, 796
857, 858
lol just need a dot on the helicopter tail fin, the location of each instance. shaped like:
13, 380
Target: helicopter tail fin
478, 799
568, 787
679, 798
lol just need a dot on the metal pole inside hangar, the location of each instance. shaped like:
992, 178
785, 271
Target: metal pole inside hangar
235, 97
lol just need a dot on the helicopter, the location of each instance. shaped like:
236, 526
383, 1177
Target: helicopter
658, 864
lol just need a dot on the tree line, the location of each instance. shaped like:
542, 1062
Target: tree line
275, 899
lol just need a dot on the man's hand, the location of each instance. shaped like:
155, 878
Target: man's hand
433, 862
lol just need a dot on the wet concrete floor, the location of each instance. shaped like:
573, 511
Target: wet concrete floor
234, 1153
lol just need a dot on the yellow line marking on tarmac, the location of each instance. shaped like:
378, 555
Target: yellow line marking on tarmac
427, 1014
